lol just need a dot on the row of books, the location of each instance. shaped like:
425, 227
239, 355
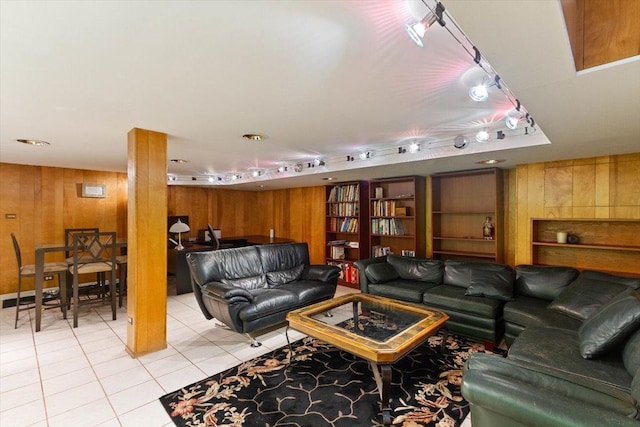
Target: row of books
384, 208
344, 209
392, 227
379, 250
345, 193
348, 272
343, 225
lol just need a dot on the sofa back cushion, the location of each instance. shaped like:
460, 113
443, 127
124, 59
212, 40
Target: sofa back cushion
610, 325
281, 257
381, 273
630, 282
458, 273
491, 284
421, 269
544, 282
228, 264
248, 283
591, 290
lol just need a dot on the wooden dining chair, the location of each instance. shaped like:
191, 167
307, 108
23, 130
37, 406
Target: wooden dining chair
29, 270
68, 242
93, 252
121, 262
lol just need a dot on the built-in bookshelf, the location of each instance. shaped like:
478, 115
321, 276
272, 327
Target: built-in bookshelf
461, 204
347, 228
605, 244
397, 216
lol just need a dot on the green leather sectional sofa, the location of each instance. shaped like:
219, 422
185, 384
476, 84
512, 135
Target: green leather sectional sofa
574, 356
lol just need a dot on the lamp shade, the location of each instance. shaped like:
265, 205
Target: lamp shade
179, 227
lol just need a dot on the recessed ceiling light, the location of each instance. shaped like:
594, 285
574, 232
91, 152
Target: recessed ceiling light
330, 178
254, 136
179, 161
490, 162
37, 142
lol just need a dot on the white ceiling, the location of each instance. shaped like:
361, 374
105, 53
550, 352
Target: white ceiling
319, 78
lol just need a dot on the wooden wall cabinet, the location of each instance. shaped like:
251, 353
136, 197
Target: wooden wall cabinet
460, 203
397, 216
347, 228
611, 245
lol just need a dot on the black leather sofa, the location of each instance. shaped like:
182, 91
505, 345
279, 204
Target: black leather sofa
574, 357
573, 361
471, 293
254, 287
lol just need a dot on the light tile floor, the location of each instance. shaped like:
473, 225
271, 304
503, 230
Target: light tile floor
83, 377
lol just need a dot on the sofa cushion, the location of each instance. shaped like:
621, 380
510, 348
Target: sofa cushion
404, 290
424, 270
458, 273
280, 257
631, 354
309, 292
454, 298
610, 325
491, 284
544, 282
249, 283
268, 301
279, 278
585, 296
559, 350
529, 311
381, 273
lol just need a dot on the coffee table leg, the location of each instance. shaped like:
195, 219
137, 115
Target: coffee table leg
445, 336
382, 375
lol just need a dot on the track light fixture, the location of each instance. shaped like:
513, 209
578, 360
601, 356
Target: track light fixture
482, 136
298, 167
417, 30
480, 93
256, 173
461, 142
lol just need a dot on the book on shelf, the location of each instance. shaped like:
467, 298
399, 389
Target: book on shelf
379, 192
391, 227
336, 242
337, 252
379, 250
408, 253
344, 193
352, 244
348, 272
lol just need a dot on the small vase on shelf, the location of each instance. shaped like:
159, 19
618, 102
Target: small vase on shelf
487, 229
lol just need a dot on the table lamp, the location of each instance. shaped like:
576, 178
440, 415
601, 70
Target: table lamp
179, 227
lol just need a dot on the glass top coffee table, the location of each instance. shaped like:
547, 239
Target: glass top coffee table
380, 330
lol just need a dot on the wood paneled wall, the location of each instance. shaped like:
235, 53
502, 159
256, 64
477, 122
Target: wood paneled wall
46, 201
296, 213
602, 187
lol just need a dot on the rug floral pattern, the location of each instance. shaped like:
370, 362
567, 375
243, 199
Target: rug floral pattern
322, 387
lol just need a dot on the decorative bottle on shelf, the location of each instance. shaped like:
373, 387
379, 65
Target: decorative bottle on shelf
487, 229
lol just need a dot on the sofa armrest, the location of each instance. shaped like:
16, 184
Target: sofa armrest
226, 292
362, 266
512, 390
322, 273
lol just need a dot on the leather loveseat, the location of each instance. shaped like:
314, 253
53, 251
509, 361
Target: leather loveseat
471, 293
574, 358
254, 287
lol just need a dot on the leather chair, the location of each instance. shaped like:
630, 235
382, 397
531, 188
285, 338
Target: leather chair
59, 268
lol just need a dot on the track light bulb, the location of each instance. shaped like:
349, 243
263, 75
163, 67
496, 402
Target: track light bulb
461, 142
479, 93
416, 31
414, 147
512, 122
482, 136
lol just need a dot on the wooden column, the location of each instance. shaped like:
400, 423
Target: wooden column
147, 242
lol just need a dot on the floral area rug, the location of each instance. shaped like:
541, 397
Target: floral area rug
328, 388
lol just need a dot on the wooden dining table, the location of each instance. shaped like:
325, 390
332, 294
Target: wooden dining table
41, 250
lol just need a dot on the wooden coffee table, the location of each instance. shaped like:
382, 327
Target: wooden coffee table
386, 331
